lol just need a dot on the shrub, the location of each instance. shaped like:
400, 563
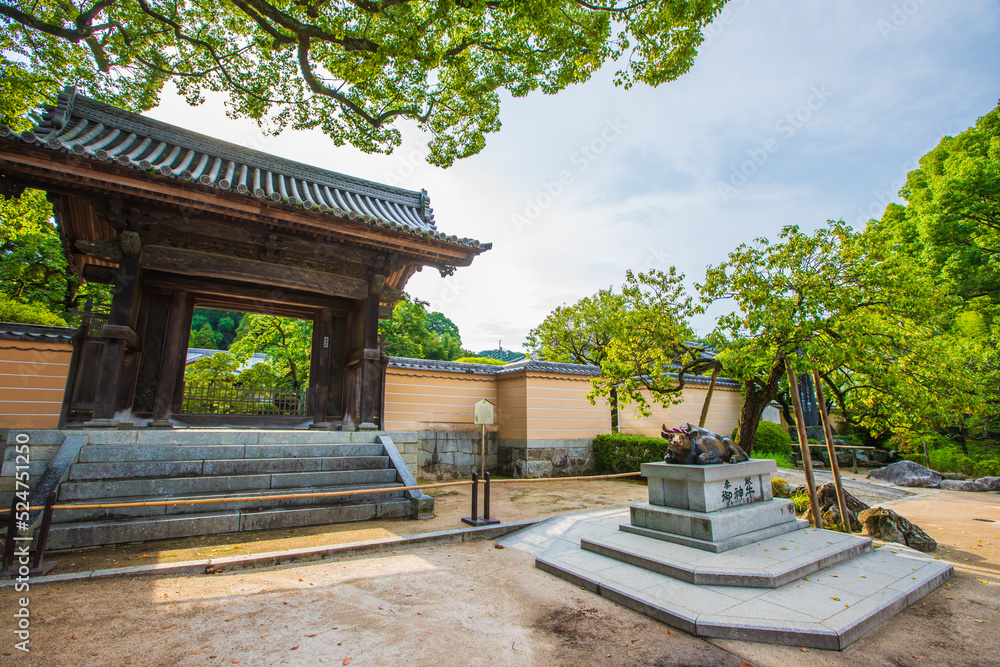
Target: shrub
480, 360
987, 468
28, 313
626, 453
780, 460
779, 488
801, 501
771, 439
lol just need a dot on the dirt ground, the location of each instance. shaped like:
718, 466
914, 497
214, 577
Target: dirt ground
464, 604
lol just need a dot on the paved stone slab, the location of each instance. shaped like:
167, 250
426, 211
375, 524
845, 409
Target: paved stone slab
768, 564
828, 609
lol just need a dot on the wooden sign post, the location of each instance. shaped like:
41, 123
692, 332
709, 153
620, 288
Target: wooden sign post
485, 413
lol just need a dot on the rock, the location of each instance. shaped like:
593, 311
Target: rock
989, 483
962, 485
830, 508
907, 473
831, 519
953, 475
884, 524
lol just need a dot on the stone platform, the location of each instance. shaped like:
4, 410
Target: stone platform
713, 553
830, 608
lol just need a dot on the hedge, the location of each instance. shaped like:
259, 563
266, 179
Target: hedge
771, 439
626, 453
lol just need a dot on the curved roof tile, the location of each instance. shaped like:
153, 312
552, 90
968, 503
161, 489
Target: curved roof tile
89, 128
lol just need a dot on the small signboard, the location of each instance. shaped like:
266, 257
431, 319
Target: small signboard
484, 412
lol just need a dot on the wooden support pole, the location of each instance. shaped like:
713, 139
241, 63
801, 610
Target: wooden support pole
173, 350
319, 377
800, 425
708, 399
834, 463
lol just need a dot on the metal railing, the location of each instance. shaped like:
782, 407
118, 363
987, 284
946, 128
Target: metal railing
210, 399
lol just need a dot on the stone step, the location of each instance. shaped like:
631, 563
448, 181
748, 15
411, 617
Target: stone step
724, 545
97, 533
721, 528
769, 563
171, 487
226, 437
137, 469
223, 504
98, 453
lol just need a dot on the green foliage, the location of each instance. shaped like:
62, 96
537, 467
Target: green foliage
479, 360
204, 338
286, 341
771, 439
28, 313
781, 460
32, 265
846, 304
581, 333
626, 453
801, 502
779, 488
649, 353
218, 370
415, 333
214, 329
358, 71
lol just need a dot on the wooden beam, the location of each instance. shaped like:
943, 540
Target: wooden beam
196, 263
246, 294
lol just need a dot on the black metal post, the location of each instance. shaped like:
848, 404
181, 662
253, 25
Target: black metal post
475, 495
8, 547
43, 536
486, 498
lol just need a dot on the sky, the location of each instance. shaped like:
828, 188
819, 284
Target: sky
793, 113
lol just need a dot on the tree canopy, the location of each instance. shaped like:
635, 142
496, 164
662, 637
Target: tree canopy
413, 332
353, 69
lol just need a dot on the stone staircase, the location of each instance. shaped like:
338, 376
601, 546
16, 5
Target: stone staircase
232, 473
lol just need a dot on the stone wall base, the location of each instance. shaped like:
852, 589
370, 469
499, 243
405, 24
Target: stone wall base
546, 458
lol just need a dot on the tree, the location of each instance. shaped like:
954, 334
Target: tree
354, 69
413, 332
287, 341
844, 303
581, 334
32, 264
649, 353
950, 227
204, 338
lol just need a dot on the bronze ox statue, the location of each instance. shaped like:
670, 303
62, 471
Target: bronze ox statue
691, 444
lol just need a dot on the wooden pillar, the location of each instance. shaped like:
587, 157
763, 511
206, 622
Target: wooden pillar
174, 347
319, 373
371, 367
115, 335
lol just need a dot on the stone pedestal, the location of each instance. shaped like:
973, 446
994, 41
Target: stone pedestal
712, 507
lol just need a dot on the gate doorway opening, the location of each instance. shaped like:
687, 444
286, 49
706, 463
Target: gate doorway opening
247, 364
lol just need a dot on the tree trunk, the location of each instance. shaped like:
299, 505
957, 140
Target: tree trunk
756, 398
613, 396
